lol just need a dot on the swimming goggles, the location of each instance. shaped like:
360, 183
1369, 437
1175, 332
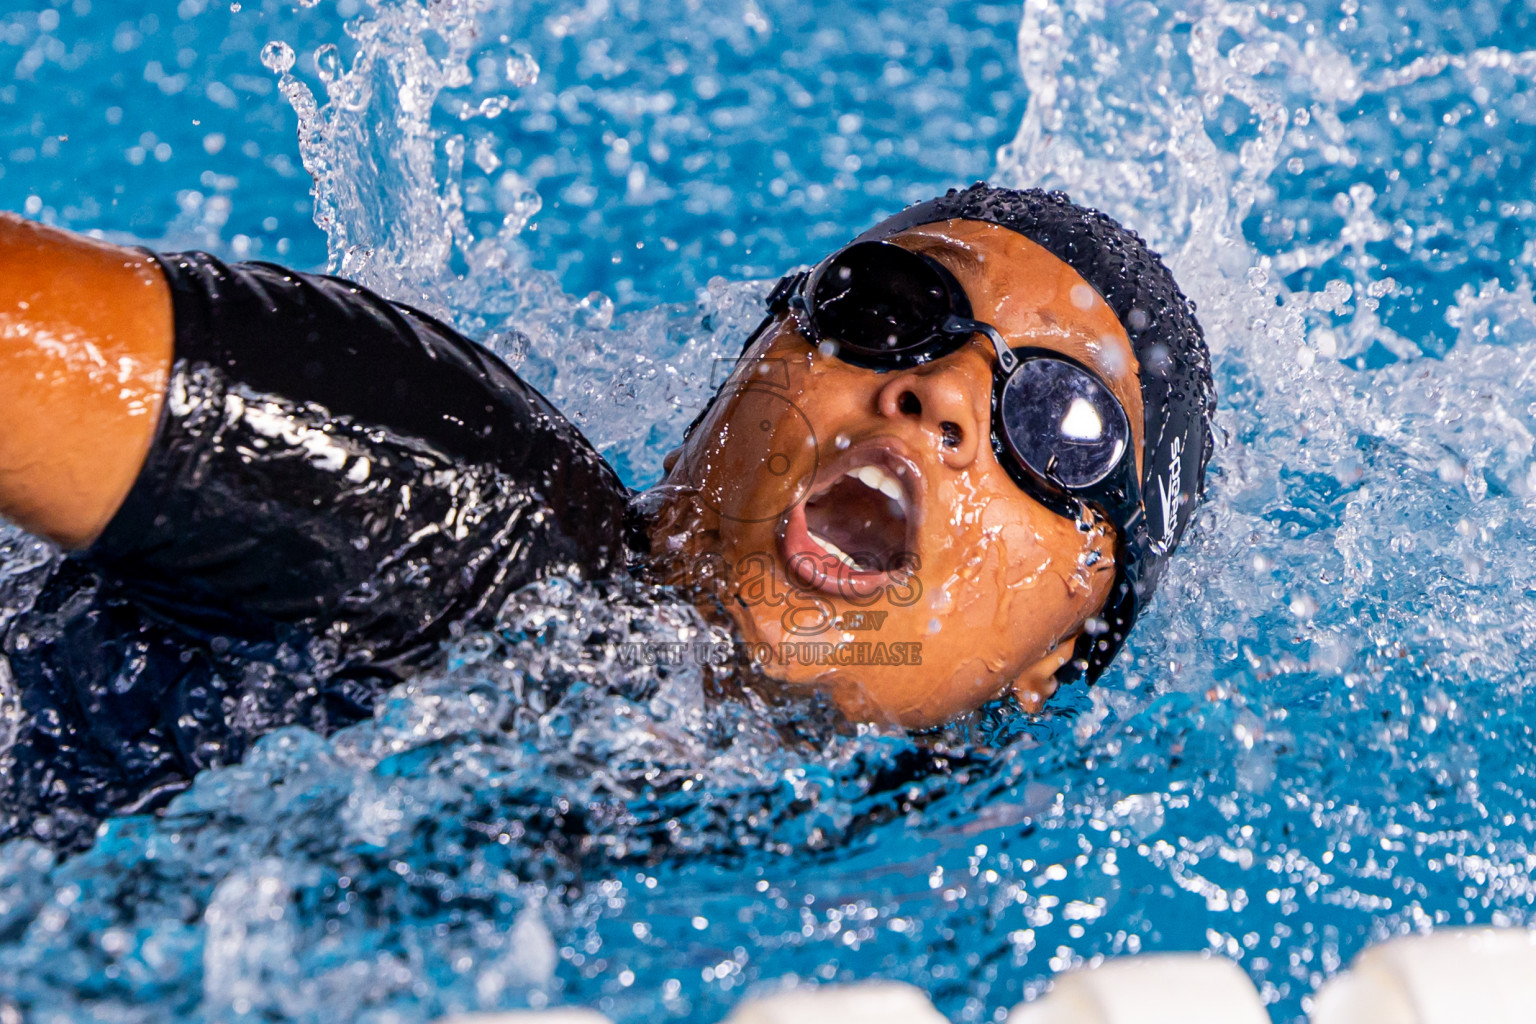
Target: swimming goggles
1057, 429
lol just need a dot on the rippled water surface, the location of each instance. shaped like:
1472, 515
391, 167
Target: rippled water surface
1322, 738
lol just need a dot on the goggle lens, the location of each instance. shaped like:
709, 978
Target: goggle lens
879, 301
1062, 423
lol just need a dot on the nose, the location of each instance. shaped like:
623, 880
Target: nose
943, 400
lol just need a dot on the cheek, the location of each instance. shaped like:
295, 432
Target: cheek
779, 431
1028, 548
993, 524
835, 396
754, 466
1020, 573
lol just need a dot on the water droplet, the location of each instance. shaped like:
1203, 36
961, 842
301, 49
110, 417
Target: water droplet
486, 157
277, 56
522, 70
516, 197
328, 62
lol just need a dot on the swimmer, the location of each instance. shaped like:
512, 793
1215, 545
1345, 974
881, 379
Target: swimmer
949, 466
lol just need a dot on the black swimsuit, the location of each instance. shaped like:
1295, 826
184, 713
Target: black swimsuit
337, 483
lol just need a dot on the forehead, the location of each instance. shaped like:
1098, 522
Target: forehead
1032, 297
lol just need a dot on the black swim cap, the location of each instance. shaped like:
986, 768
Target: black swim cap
1176, 388
1177, 393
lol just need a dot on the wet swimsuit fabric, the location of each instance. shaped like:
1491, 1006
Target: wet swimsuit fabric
337, 483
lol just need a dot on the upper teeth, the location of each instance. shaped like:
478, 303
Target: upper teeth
878, 479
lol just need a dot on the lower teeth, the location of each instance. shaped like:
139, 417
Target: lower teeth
833, 549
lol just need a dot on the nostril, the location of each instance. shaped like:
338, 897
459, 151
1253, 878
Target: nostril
951, 432
909, 404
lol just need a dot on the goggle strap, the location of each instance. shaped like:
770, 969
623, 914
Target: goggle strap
788, 285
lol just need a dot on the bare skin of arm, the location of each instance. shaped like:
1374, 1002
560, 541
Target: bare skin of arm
85, 351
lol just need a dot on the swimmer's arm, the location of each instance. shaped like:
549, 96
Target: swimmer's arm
86, 343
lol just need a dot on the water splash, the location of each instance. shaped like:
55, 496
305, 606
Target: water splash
387, 151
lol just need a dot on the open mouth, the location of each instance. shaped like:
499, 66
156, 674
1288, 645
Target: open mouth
856, 526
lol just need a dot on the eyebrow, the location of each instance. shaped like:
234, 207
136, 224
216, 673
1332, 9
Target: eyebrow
957, 259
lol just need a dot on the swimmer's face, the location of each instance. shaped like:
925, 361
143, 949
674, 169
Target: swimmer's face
961, 585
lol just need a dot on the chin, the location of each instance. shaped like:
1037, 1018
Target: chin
867, 702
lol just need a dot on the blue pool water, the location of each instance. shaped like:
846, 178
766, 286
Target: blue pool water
1324, 734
